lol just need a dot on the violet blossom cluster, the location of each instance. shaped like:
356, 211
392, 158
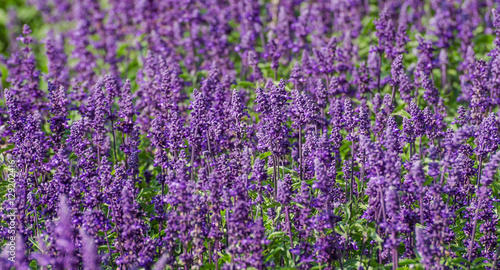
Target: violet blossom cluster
252, 134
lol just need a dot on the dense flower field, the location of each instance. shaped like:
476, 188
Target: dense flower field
228, 134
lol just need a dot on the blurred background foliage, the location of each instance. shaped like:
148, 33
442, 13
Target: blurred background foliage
13, 15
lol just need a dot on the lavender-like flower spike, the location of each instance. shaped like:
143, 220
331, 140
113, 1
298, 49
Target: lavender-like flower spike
58, 123
21, 259
418, 119
57, 61
295, 74
112, 90
348, 117
302, 109
100, 112
306, 66
14, 110
424, 250
258, 241
27, 80
321, 95
376, 102
491, 169
463, 117
127, 109
65, 236
132, 231
89, 252
487, 136
285, 190
496, 19
393, 149
273, 53
364, 121
392, 224
161, 263
401, 36
253, 62
397, 70
479, 100
494, 81
390, 37
496, 24
331, 49
336, 112
443, 24
322, 181
409, 135
5, 263
363, 81
431, 93
381, 27
388, 105
237, 106
334, 87
405, 88
425, 62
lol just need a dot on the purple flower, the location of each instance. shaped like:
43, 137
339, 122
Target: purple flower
479, 100
89, 252
425, 62
285, 190
487, 136
491, 169
65, 236
21, 259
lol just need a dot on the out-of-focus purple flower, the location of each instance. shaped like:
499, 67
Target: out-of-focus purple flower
349, 117
487, 136
302, 109
431, 93
401, 37
424, 249
417, 118
58, 102
285, 190
425, 62
65, 236
89, 252
258, 241
397, 70
479, 100
384, 33
21, 259
491, 169
57, 60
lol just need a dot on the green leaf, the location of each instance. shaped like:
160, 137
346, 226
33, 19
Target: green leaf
34, 242
276, 234
459, 260
264, 155
400, 107
298, 204
10, 146
406, 262
4, 17
274, 251
480, 260
208, 266
376, 237
402, 113
224, 258
246, 84
484, 39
